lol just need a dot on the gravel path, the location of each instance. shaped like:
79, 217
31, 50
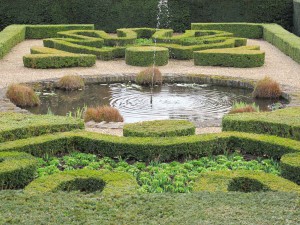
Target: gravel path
278, 66
119, 132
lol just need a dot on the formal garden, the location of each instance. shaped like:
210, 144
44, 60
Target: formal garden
150, 112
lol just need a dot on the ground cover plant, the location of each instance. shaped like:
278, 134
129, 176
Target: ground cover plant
155, 177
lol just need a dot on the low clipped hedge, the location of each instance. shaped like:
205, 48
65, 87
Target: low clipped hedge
284, 122
159, 128
46, 61
285, 41
142, 32
50, 31
110, 183
245, 181
151, 148
11, 36
129, 37
17, 169
297, 17
17, 126
290, 167
144, 56
107, 53
240, 57
245, 30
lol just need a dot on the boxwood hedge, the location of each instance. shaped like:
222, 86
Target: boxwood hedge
159, 128
241, 57
283, 122
245, 181
110, 183
17, 169
144, 56
17, 126
290, 167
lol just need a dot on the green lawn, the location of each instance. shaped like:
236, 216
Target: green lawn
198, 208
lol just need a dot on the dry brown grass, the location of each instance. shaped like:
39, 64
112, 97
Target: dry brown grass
103, 113
71, 82
248, 108
145, 77
22, 95
267, 88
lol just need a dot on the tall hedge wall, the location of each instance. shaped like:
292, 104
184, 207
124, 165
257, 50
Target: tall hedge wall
110, 15
297, 17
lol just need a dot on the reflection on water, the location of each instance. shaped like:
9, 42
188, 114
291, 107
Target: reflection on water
172, 101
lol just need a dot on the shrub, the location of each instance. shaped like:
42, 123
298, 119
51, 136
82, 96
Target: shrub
267, 88
241, 107
144, 56
149, 76
22, 95
282, 122
290, 167
17, 169
240, 57
18, 126
243, 181
103, 113
116, 183
71, 82
159, 128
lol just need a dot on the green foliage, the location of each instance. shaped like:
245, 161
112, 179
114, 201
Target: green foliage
245, 30
243, 181
159, 128
297, 17
144, 56
109, 183
17, 126
50, 31
46, 61
192, 208
290, 167
240, 57
158, 177
285, 41
282, 122
109, 16
17, 169
11, 36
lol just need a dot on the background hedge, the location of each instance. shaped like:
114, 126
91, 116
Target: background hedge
297, 17
110, 15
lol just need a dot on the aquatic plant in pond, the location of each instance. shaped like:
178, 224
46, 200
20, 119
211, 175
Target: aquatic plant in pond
158, 177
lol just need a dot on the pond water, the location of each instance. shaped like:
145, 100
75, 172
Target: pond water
196, 103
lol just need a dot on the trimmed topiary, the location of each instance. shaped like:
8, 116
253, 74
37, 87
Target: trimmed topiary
282, 122
70, 82
22, 95
103, 113
18, 126
290, 167
109, 183
241, 57
147, 56
159, 128
244, 181
149, 76
267, 88
17, 169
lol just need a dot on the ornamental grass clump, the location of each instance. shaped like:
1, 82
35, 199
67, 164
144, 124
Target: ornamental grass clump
22, 95
267, 88
71, 82
242, 107
149, 76
103, 113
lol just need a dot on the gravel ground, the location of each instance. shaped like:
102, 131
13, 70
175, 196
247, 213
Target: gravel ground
278, 66
119, 132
